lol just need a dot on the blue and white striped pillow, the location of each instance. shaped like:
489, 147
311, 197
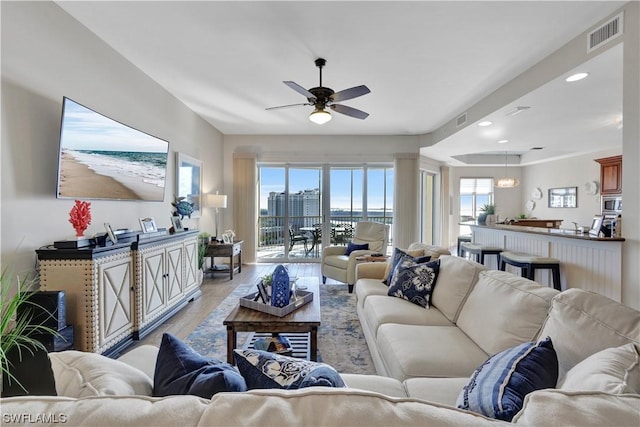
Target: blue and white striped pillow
497, 387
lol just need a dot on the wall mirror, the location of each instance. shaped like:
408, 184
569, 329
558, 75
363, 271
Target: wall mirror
189, 181
565, 197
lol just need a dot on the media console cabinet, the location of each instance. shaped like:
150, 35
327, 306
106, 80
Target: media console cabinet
120, 293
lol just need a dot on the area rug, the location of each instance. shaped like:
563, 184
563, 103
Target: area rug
341, 342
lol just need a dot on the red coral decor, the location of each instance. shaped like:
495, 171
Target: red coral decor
80, 217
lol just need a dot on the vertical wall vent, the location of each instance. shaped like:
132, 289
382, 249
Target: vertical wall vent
461, 120
604, 33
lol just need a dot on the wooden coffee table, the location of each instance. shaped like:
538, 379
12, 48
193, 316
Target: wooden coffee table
304, 319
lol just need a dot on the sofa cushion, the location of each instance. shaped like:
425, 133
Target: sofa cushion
379, 310
600, 321
410, 351
399, 255
498, 387
320, 406
612, 370
120, 411
142, 357
262, 369
456, 278
356, 247
414, 281
428, 250
439, 390
369, 287
504, 310
376, 383
79, 374
181, 370
560, 408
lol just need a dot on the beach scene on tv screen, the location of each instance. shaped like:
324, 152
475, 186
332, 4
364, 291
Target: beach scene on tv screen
104, 159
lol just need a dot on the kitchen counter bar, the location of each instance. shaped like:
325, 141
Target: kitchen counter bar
558, 232
586, 262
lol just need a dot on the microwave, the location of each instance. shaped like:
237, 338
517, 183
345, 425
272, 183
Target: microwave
612, 204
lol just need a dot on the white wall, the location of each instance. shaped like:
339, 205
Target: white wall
571, 172
46, 55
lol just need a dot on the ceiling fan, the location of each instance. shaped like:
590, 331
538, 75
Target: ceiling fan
323, 97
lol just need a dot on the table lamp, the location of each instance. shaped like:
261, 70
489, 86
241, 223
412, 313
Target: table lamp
217, 201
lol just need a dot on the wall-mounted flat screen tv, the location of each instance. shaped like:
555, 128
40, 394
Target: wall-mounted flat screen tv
100, 158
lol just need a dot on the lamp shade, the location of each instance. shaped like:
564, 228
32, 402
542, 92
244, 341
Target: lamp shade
217, 200
320, 116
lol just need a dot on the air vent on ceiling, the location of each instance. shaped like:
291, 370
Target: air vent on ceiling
537, 148
604, 33
462, 119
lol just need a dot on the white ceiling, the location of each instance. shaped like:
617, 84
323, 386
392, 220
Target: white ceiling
424, 61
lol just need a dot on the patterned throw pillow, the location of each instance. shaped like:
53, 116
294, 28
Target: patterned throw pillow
398, 254
262, 369
181, 370
414, 281
498, 387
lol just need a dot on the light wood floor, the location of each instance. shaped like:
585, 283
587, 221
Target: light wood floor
214, 291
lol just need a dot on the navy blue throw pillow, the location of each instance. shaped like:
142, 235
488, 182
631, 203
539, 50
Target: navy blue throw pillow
262, 369
498, 387
356, 247
181, 370
399, 254
414, 281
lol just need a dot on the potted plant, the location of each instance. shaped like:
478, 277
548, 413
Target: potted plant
17, 342
486, 210
203, 242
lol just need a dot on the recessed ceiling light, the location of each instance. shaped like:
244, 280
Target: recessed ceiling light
503, 141
576, 77
485, 123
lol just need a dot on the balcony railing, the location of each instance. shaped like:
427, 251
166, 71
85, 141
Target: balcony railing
304, 233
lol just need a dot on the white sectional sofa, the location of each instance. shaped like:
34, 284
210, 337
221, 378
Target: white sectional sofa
424, 357
476, 313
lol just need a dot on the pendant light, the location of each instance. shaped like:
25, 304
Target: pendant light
506, 181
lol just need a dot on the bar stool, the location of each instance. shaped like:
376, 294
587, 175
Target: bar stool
479, 251
464, 238
530, 263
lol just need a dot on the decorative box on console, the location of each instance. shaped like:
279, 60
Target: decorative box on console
303, 297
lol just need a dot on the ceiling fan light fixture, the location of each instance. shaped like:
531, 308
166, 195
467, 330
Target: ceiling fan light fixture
320, 116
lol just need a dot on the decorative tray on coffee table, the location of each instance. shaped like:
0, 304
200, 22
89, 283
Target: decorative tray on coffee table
301, 298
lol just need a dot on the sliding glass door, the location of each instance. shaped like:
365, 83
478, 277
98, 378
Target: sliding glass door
293, 211
290, 209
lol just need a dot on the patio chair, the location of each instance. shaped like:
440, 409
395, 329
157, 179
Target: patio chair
293, 238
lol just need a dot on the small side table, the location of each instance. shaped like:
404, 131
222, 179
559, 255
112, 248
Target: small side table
216, 249
369, 258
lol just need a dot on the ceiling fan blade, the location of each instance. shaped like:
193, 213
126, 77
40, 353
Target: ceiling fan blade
349, 111
350, 93
302, 91
287, 106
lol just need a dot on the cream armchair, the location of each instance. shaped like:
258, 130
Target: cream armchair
341, 267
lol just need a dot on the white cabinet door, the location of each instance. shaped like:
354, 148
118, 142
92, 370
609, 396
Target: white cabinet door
115, 300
